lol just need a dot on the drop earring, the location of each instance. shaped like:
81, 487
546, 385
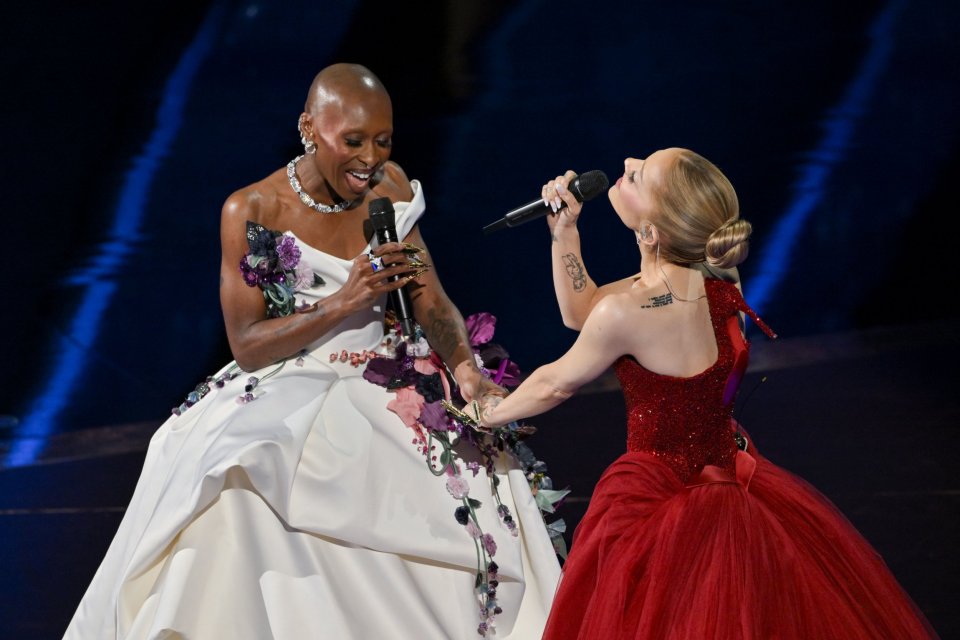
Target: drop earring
308, 145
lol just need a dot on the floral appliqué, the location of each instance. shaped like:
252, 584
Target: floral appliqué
428, 402
274, 264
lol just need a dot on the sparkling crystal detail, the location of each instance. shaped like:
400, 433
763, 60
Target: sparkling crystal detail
305, 197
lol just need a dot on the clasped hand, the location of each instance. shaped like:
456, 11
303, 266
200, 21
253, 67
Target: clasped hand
485, 420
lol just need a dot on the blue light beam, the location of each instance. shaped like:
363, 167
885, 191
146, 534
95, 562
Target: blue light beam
99, 278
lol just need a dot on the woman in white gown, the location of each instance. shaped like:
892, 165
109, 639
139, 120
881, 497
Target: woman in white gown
284, 500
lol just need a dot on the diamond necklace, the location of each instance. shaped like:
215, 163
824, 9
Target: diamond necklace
305, 197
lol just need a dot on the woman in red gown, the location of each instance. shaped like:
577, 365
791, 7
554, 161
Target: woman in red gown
691, 533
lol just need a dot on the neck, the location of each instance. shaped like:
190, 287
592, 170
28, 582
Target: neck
648, 265
678, 279
313, 183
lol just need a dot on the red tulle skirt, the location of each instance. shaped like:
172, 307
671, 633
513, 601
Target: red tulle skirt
761, 556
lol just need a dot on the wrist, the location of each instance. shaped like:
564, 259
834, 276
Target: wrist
563, 231
466, 369
487, 411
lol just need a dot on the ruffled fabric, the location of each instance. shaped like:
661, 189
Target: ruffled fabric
653, 558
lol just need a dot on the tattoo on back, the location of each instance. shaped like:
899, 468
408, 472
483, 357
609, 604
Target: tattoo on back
575, 271
658, 301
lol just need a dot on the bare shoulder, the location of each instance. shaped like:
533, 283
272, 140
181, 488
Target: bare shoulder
617, 286
257, 202
637, 313
613, 310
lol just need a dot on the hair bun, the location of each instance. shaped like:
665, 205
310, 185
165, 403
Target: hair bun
729, 245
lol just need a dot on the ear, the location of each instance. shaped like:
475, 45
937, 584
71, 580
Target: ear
648, 234
654, 235
305, 124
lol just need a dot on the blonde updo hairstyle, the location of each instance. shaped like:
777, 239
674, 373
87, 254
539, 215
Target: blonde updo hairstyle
699, 218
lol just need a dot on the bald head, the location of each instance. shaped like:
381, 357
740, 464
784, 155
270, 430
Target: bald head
343, 82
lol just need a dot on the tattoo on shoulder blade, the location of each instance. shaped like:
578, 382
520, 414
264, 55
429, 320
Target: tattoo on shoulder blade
575, 271
658, 301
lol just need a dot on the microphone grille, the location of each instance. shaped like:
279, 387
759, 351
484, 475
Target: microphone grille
382, 214
590, 184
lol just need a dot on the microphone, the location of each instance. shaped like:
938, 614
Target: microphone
584, 187
383, 219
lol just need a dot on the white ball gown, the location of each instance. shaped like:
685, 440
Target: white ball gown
309, 513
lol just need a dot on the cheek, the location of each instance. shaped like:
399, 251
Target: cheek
338, 153
616, 201
628, 205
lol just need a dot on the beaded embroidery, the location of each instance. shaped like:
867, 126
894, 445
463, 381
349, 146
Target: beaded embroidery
684, 421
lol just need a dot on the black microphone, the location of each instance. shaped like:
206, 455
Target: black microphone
584, 187
384, 223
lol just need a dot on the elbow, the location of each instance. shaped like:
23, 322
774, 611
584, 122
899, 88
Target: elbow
558, 395
246, 355
572, 323
246, 361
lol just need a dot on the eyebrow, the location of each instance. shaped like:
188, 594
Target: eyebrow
641, 170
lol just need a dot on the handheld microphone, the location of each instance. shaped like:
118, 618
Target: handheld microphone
584, 187
383, 219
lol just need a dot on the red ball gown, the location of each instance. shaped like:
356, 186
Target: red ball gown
689, 536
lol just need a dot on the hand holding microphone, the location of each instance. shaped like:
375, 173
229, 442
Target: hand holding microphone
563, 202
383, 220
573, 189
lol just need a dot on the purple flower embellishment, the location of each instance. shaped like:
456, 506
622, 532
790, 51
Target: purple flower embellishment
273, 264
495, 359
250, 277
434, 417
380, 371
489, 543
458, 487
472, 529
288, 253
480, 327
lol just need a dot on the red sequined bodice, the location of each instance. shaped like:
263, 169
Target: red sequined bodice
686, 421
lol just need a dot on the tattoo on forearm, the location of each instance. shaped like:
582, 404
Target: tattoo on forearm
658, 301
575, 271
443, 333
